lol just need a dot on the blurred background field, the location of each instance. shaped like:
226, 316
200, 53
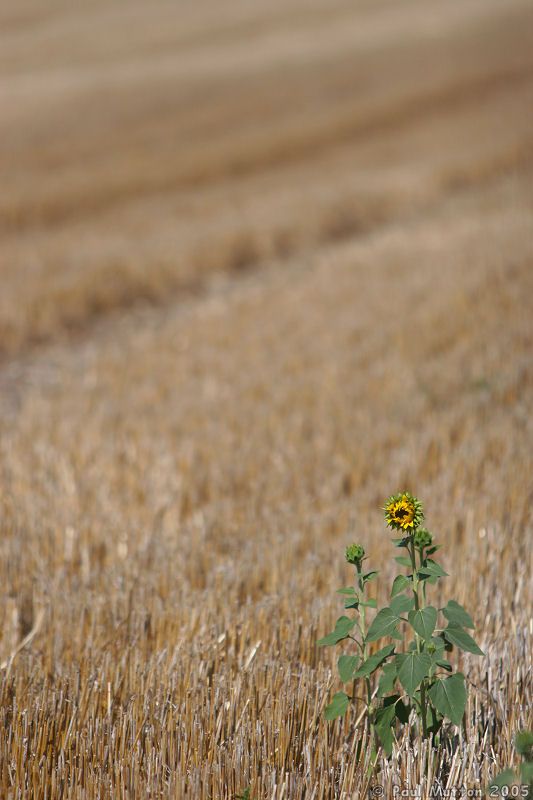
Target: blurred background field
262, 264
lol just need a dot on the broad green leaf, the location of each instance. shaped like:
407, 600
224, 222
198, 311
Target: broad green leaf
444, 664
402, 603
438, 641
387, 679
383, 724
503, 779
403, 711
456, 635
347, 666
403, 560
338, 706
346, 590
384, 623
423, 621
449, 697
369, 603
431, 568
369, 576
444, 643
433, 549
523, 742
400, 583
374, 661
456, 614
351, 602
343, 626
412, 667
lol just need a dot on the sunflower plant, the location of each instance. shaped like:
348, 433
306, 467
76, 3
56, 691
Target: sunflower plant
409, 677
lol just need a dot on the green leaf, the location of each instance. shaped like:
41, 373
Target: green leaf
456, 635
346, 590
400, 583
387, 679
505, 778
403, 711
351, 602
526, 772
369, 576
456, 614
423, 621
444, 664
338, 706
412, 667
523, 742
403, 560
343, 626
402, 541
442, 643
449, 697
438, 641
384, 623
383, 725
374, 661
431, 568
402, 603
347, 666
369, 603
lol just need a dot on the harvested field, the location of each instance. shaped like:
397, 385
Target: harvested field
262, 265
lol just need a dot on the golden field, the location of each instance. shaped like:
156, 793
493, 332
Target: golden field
262, 265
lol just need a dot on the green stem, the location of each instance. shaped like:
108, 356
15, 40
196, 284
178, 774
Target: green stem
411, 551
421, 556
362, 627
416, 594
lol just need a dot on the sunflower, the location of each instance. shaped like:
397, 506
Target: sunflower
355, 554
404, 512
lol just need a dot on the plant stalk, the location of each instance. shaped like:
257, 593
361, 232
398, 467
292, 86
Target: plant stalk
362, 615
416, 594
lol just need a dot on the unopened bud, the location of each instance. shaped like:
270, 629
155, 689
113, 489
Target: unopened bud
355, 554
423, 538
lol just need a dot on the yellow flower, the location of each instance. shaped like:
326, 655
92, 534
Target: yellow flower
403, 512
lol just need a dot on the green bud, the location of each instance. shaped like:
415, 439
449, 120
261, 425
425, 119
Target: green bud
423, 538
355, 554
